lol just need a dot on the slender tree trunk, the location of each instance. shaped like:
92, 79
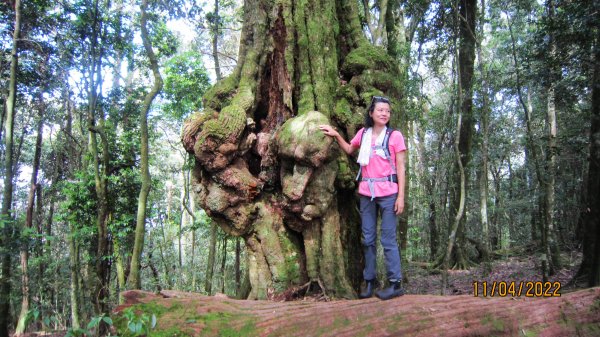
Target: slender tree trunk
121, 248
134, 279
181, 224
190, 212
120, 267
495, 225
551, 249
192, 260
28, 228
236, 267
465, 18
154, 272
485, 112
99, 162
75, 291
210, 264
462, 185
531, 148
466, 62
223, 261
5, 216
512, 231
164, 243
2, 116
183, 221
215, 40
429, 184
45, 292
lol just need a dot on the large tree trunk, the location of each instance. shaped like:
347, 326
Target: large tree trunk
134, 280
216, 23
572, 314
263, 169
5, 215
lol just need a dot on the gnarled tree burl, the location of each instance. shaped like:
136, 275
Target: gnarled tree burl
263, 169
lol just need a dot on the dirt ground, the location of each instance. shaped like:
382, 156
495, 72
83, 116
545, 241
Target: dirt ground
506, 269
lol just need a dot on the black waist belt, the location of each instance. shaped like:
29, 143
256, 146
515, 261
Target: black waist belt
393, 178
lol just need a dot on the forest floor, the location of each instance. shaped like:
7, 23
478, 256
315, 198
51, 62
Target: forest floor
509, 269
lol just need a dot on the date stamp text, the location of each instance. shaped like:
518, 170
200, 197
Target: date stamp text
516, 289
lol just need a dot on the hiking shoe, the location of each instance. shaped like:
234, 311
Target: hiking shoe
394, 290
369, 289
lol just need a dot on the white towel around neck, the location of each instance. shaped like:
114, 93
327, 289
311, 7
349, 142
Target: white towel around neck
365, 147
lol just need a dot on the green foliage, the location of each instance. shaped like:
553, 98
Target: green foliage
92, 328
80, 203
138, 325
186, 81
162, 38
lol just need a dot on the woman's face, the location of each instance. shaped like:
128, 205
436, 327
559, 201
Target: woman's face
380, 114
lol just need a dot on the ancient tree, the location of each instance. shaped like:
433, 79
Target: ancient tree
263, 170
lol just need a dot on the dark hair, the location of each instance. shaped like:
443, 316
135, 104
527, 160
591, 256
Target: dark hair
376, 99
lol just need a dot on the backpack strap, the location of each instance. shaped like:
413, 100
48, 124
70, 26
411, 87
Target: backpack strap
362, 137
385, 146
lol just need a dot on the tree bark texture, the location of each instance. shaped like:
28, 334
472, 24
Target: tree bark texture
215, 40
5, 215
263, 170
549, 239
485, 113
572, 314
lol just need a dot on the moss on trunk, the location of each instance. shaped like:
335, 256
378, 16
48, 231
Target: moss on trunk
263, 169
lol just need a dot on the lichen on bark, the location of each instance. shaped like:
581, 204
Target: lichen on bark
263, 169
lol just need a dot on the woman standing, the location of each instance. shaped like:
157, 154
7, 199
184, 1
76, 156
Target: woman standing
382, 177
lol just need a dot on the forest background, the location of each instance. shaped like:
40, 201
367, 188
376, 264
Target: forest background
96, 185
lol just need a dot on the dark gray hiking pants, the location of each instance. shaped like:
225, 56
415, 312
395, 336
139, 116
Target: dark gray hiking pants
368, 213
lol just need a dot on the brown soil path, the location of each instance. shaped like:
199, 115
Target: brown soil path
572, 314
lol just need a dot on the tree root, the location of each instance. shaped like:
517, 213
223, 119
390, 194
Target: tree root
302, 293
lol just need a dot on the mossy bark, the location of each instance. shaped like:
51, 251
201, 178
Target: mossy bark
264, 171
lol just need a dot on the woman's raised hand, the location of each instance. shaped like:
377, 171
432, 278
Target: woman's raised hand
328, 130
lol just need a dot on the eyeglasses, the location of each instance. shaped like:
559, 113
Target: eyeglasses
377, 99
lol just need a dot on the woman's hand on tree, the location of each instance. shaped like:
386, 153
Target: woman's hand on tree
329, 130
